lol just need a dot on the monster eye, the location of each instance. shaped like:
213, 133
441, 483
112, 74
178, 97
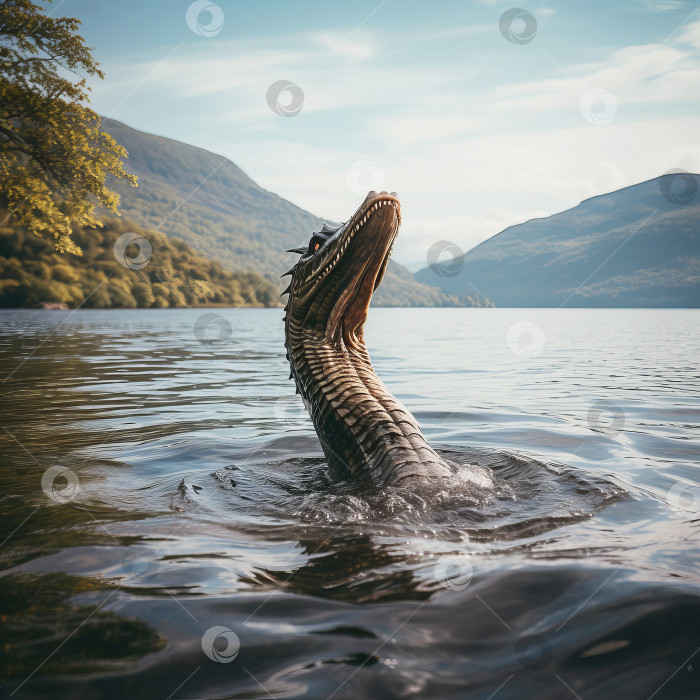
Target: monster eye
315, 243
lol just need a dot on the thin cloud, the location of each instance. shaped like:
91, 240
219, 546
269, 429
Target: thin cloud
468, 154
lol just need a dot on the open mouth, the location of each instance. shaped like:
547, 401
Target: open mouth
373, 230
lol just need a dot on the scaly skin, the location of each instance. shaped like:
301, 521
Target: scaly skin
361, 426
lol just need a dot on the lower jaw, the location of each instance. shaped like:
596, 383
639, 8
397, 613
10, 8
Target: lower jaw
354, 315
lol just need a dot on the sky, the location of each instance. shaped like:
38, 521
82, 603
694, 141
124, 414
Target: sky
480, 115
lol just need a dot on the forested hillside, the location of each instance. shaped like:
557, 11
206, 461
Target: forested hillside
209, 202
168, 273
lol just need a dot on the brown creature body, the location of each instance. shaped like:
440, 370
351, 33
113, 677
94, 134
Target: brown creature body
361, 426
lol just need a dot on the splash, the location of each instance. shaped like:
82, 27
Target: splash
495, 495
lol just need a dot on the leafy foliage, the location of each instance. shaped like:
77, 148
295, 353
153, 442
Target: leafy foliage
32, 272
53, 155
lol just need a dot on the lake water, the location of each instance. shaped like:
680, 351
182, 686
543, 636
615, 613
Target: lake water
169, 529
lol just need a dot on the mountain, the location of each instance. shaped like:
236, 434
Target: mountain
211, 204
636, 247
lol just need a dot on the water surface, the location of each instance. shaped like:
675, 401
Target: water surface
157, 485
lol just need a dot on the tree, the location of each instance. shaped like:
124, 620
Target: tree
53, 156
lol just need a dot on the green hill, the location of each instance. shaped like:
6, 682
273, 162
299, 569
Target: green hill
210, 203
636, 247
168, 273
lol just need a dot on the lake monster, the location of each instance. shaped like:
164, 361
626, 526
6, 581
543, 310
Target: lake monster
361, 426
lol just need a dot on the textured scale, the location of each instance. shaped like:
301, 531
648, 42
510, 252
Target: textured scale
361, 426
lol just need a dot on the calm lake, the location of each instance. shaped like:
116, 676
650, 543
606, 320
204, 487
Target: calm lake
169, 529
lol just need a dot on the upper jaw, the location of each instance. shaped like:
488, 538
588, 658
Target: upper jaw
377, 222
337, 300
336, 245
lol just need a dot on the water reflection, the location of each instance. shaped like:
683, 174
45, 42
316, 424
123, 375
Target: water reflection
198, 504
